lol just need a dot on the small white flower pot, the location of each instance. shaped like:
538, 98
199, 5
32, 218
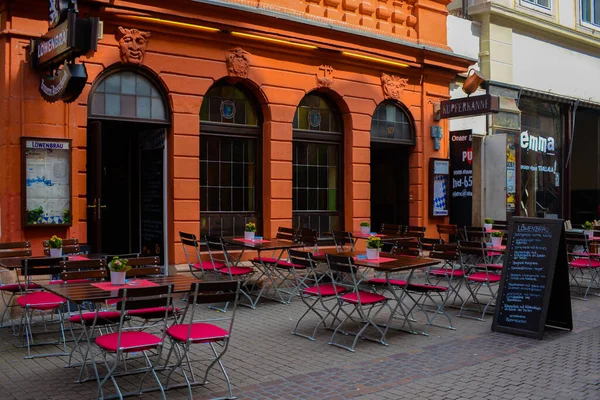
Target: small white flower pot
589, 233
56, 252
372, 254
488, 227
249, 235
496, 241
117, 278
365, 230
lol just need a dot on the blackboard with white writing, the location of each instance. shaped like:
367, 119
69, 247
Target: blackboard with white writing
534, 290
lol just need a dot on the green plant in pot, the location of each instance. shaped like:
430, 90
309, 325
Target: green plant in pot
373, 245
55, 244
118, 269
365, 227
487, 224
497, 239
588, 229
250, 231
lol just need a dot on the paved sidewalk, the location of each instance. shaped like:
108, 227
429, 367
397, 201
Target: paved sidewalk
266, 362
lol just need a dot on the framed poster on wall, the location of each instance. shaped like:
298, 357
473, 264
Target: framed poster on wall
439, 184
46, 182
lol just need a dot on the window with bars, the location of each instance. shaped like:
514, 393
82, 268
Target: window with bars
590, 12
390, 123
229, 154
128, 95
317, 198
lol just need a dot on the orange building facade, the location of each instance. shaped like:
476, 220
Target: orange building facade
199, 116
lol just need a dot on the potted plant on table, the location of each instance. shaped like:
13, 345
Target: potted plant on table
373, 246
118, 269
488, 224
55, 244
250, 231
497, 239
588, 229
365, 227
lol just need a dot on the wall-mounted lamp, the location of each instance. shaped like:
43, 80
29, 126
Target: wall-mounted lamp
473, 81
436, 133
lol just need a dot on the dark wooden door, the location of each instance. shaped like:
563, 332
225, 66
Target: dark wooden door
94, 186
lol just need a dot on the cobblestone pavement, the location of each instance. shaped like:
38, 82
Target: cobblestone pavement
265, 361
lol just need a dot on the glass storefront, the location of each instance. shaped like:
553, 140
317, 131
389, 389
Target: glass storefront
540, 147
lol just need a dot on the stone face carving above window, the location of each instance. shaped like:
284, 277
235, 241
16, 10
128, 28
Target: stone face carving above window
132, 45
325, 76
238, 62
393, 86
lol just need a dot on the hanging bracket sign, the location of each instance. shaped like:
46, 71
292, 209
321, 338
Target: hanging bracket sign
66, 85
473, 105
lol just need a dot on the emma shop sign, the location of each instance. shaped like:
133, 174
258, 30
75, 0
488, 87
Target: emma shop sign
475, 105
66, 84
544, 149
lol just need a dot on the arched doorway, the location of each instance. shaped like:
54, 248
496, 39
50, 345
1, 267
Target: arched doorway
230, 185
392, 138
317, 161
128, 118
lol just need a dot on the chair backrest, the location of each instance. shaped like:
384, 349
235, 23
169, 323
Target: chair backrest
41, 266
406, 247
96, 274
15, 246
472, 248
448, 232
284, 233
191, 249
428, 244
65, 242
214, 292
217, 249
341, 240
446, 252
83, 264
415, 231
309, 237
577, 245
84, 269
391, 229
305, 259
341, 267
144, 266
66, 249
407, 252
15, 253
474, 233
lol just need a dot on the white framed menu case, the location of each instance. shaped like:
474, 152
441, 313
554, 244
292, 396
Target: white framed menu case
46, 182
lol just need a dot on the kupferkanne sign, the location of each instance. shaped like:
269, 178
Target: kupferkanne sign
474, 105
69, 38
534, 288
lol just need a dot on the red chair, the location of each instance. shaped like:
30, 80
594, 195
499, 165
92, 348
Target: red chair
132, 338
191, 249
201, 330
10, 290
364, 306
584, 265
316, 295
481, 275
42, 303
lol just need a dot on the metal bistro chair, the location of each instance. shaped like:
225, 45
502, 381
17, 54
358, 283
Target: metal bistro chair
10, 290
132, 338
41, 302
363, 303
341, 240
480, 275
316, 295
200, 330
450, 271
583, 264
448, 232
191, 249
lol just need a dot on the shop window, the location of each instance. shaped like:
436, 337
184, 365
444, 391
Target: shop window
128, 95
229, 161
390, 123
540, 146
317, 198
590, 11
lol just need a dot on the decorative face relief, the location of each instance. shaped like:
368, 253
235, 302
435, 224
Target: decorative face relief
132, 45
393, 86
238, 62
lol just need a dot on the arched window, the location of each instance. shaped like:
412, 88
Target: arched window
317, 199
230, 131
128, 95
392, 124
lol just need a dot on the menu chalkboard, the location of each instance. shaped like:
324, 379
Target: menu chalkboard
534, 290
